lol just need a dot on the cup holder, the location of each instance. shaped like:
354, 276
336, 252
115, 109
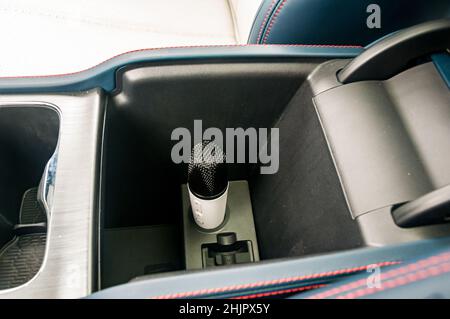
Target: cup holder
28, 139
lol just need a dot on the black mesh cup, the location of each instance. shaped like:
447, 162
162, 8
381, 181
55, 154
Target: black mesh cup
207, 171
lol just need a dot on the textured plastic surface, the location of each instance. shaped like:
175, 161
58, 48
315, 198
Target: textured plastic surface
301, 210
390, 140
379, 229
130, 252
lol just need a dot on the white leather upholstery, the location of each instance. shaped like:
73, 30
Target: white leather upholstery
244, 12
62, 36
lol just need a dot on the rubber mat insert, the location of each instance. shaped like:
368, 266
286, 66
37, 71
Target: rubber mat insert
31, 212
22, 256
21, 259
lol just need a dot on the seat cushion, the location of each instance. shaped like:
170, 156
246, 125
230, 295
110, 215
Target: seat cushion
54, 37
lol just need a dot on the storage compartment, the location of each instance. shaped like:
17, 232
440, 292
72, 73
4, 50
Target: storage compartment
28, 138
299, 210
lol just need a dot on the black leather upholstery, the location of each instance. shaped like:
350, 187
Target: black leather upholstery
343, 22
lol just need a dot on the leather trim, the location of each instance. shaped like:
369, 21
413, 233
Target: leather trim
280, 292
259, 285
266, 18
442, 64
272, 21
411, 277
421, 269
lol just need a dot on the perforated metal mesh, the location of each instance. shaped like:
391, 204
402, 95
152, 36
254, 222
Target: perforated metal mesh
207, 172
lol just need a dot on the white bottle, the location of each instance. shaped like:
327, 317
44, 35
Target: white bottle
209, 213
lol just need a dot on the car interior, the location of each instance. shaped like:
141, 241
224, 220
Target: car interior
93, 205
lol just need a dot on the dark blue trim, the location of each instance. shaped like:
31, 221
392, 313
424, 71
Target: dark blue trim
198, 281
422, 290
103, 75
339, 22
442, 63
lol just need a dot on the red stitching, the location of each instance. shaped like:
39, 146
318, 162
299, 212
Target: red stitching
265, 20
187, 47
272, 22
271, 282
402, 280
388, 275
279, 292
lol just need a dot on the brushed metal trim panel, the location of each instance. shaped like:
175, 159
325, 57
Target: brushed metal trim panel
67, 270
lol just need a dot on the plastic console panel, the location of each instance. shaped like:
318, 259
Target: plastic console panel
390, 142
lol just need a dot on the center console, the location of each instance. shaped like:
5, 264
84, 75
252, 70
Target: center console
362, 153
